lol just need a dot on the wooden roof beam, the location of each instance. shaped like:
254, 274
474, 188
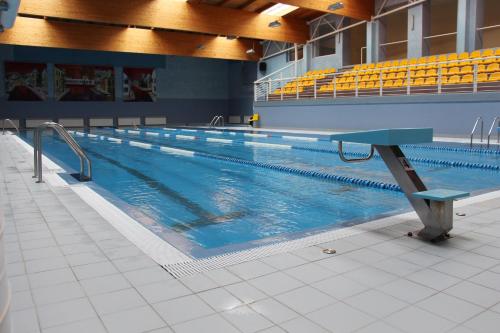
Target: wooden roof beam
47, 33
358, 9
172, 15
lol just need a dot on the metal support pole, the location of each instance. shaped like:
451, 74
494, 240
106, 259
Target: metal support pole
474, 84
436, 217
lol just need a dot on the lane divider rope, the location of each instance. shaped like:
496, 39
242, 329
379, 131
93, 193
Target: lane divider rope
269, 166
423, 160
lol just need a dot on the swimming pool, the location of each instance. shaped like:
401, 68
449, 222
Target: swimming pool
209, 191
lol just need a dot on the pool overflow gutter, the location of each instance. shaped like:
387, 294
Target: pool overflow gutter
434, 207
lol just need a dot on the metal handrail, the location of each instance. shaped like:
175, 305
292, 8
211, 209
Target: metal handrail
216, 120
37, 144
496, 121
263, 90
478, 119
355, 160
12, 123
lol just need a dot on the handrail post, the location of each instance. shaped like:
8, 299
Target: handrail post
440, 79
408, 81
474, 84
315, 88
335, 86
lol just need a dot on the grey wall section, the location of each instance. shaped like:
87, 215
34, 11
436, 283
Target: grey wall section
447, 114
241, 77
190, 90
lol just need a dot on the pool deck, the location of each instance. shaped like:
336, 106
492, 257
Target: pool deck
71, 270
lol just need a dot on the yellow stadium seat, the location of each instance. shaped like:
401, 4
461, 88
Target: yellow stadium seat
362, 85
482, 77
342, 80
388, 84
371, 66
495, 67
370, 85
422, 60
420, 73
364, 78
374, 77
469, 78
430, 81
363, 67
488, 53
402, 62
412, 61
431, 72
419, 82
350, 79
453, 79
432, 59
357, 67
442, 58
379, 65
391, 76
481, 68
452, 60
475, 54
464, 56
497, 52
386, 64
466, 70
401, 75
494, 77
453, 70
398, 83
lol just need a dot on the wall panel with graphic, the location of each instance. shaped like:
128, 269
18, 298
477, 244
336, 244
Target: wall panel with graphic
84, 83
26, 81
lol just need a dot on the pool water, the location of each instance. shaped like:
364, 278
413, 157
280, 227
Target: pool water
222, 195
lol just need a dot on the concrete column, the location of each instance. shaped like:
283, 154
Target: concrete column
307, 62
418, 27
469, 18
375, 35
5, 293
343, 45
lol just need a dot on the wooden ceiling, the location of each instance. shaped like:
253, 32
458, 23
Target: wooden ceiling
178, 27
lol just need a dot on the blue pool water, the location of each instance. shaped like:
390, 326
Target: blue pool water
233, 195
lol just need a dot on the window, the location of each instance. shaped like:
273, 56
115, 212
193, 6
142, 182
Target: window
290, 55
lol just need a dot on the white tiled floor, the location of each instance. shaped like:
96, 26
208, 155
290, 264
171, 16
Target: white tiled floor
71, 271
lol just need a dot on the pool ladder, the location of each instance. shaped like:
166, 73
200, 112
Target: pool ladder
37, 144
217, 120
494, 124
479, 120
10, 122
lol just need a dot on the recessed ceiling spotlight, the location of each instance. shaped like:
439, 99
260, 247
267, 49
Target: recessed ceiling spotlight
336, 6
200, 47
275, 24
251, 51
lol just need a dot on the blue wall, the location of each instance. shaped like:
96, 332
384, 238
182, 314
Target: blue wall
452, 114
190, 90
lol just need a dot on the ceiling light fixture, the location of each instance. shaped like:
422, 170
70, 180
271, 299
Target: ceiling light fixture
231, 37
336, 6
252, 50
200, 47
275, 24
279, 9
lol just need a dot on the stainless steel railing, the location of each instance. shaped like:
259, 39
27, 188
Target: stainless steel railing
10, 122
37, 144
217, 120
494, 124
479, 120
332, 85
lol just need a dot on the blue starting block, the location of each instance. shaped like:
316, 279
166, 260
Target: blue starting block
434, 207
